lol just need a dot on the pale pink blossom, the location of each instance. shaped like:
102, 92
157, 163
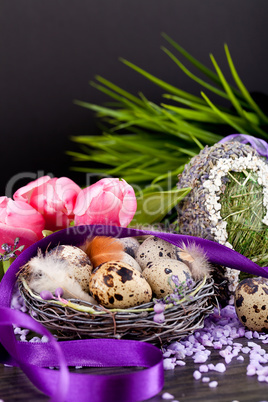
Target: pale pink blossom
54, 198
110, 201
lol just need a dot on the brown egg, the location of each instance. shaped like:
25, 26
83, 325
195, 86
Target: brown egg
153, 250
159, 274
115, 284
251, 303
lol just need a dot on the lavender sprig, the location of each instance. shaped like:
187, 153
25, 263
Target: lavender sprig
179, 293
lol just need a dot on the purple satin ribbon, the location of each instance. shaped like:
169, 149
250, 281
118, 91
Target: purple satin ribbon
64, 386
260, 145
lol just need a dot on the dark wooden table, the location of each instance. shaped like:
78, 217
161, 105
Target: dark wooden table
233, 384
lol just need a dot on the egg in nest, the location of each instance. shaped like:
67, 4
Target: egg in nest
159, 275
115, 284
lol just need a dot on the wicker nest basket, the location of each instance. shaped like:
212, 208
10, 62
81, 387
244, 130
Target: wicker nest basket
137, 323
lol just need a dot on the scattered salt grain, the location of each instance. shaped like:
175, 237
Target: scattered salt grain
241, 358
167, 395
248, 335
220, 367
169, 364
197, 375
213, 384
180, 363
205, 379
203, 368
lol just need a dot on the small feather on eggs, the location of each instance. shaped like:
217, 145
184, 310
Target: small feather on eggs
49, 272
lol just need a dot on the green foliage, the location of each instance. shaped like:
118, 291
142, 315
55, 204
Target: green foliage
149, 144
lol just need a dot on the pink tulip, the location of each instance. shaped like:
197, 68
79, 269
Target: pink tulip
107, 202
18, 219
53, 198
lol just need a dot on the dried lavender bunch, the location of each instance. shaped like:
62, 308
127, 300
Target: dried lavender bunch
228, 201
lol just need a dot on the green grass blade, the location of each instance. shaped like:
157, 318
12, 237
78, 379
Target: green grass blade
124, 102
224, 117
242, 87
233, 99
119, 90
194, 77
168, 87
201, 67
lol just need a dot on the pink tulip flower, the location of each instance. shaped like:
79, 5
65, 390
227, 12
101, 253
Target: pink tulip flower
18, 219
54, 198
107, 202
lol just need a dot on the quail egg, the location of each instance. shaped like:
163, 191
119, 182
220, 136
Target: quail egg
130, 245
78, 260
115, 284
158, 275
154, 250
131, 261
251, 303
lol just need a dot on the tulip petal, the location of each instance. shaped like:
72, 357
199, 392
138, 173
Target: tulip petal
128, 208
8, 234
25, 193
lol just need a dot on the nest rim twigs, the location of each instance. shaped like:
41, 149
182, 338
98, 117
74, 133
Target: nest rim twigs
133, 323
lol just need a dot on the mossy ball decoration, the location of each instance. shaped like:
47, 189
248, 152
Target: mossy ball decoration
228, 201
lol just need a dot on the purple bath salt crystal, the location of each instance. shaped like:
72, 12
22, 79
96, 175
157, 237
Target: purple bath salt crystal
217, 345
248, 334
176, 346
203, 368
180, 355
251, 370
213, 384
256, 335
228, 359
241, 358
205, 379
220, 367
197, 375
180, 363
167, 353
211, 366
167, 395
169, 364
200, 357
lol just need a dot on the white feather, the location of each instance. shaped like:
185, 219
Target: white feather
47, 272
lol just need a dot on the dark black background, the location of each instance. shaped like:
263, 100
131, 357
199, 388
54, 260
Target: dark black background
51, 49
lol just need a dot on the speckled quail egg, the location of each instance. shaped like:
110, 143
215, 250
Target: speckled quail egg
130, 245
251, 303
115, 284
131, 261
153, 250
158, 275
78, 260
67, 267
